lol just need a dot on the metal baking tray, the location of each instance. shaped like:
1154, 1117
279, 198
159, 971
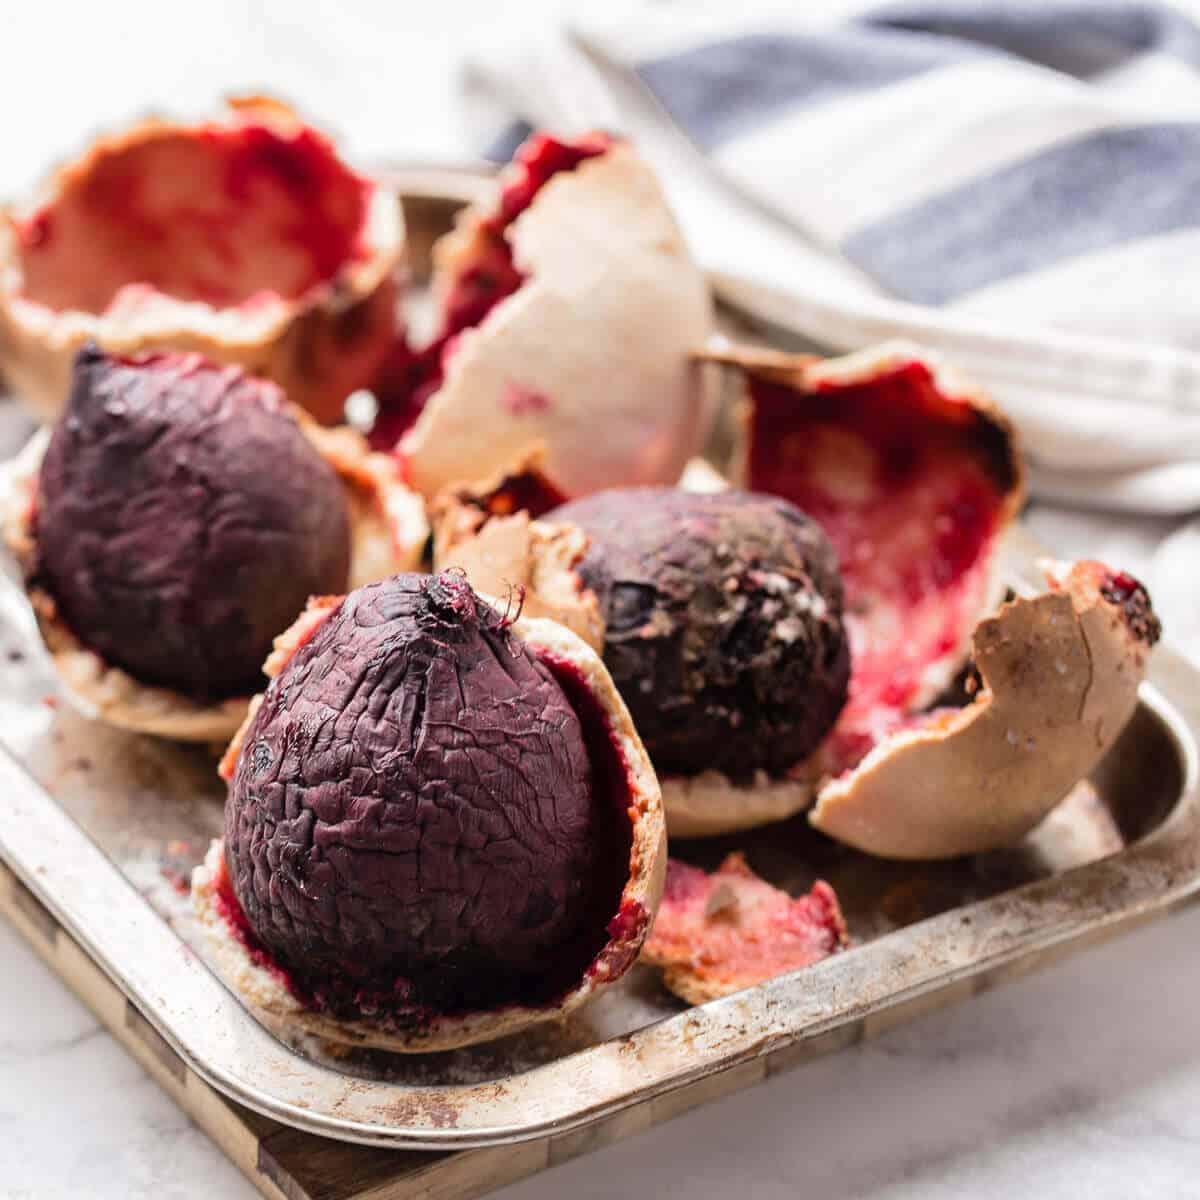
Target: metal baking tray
103, 827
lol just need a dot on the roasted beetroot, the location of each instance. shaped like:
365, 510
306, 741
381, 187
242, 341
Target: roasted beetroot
182, 520
424, 818
723, 623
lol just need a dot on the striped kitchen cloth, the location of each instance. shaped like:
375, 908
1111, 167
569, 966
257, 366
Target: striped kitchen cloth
1014, 183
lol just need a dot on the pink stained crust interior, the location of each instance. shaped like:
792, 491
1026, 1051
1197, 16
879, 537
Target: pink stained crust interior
412, 375
615, 939
731, 929
910, 485
232, 214
523, 490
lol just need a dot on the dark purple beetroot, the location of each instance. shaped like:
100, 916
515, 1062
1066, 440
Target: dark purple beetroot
414, 823
183, 520
724, 626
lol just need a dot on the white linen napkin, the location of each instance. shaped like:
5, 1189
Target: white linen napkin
1016, 184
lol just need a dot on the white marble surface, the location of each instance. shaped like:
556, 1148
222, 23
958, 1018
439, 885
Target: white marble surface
1082, 1081
78, 1117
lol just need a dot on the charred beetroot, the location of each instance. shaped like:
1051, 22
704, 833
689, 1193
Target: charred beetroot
418, 822
723, 624
182, 520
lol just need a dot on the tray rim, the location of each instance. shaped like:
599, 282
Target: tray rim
213, 1032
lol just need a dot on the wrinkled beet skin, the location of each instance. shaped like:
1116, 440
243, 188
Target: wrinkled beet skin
694, 590
412, 825
183, 520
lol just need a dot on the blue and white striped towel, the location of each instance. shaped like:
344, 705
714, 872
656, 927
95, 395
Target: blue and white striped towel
1015, 183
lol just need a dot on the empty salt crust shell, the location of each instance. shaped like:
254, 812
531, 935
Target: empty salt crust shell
244, 238
388, 533
591, 355
280, 1010
1060, 671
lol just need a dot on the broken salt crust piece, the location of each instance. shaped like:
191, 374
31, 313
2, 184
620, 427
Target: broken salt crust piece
1060, 674
490, 530
718, 933
595, 342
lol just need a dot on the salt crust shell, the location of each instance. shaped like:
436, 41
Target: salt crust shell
279, 1010
388, 534
532, 560
601, 334
303, 344
1060, 676
1060, 672
710, 803
809, 373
